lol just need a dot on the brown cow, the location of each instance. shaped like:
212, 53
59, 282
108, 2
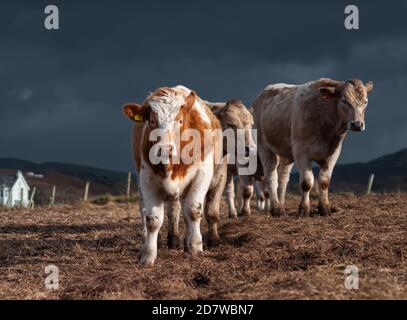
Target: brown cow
189, 169
305, 123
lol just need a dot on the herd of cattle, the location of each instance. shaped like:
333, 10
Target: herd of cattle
294, 124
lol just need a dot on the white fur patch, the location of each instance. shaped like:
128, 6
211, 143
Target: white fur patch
166, 106
184, 90
202, 111
279, 86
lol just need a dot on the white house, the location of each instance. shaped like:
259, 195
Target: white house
14, 190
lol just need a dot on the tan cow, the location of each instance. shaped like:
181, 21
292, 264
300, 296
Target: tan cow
305, 123
161, 123
234, 115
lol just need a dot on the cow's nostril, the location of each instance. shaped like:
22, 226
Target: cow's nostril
356, 126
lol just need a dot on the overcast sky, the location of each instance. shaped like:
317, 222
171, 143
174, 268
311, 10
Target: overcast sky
61, 91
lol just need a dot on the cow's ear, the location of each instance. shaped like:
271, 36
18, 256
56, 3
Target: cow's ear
190, 101
329, 92
369, 86
218, 110
134, 111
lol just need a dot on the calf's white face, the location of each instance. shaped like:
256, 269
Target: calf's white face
163, 115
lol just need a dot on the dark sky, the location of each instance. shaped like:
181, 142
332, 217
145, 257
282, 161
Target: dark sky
61, 91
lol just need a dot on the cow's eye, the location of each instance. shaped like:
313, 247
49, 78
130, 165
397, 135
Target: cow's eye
181, 121
344, 101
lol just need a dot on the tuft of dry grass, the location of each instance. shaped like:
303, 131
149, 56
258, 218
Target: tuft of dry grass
96, 248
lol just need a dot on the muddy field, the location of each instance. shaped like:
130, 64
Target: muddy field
260, 257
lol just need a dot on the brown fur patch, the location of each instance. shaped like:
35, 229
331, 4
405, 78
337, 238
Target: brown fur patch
191, 120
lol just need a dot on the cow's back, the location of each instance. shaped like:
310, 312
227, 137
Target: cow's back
272, 113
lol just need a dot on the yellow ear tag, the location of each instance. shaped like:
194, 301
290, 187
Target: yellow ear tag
138, 118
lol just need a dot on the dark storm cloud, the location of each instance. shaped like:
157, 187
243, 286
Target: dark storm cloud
61, 91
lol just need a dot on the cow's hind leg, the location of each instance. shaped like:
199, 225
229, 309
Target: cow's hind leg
284, 170
260, 197
212, 205
324, 179
246, 188
143, 212
306, 183
230, 190
270, 164
174, 210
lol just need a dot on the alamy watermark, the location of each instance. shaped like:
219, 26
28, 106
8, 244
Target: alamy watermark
51, 281
352, 279
352, 20
192, 146
51, 21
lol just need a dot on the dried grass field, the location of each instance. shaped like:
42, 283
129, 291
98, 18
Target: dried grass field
96, 247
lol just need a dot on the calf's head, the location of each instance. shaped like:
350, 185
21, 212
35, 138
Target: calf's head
234, 115
164, 115
352, 100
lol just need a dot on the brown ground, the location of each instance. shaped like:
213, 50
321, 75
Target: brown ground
96, 249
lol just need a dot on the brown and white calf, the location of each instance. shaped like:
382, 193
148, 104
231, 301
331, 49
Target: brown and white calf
234, 116
305, 123
192, 169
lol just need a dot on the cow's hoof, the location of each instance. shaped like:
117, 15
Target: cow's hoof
195, 249
261, 205
232, 214
324, 211
277, 212
159, 241
174, 241
245, 213
213, 241
147, 258
146, 262
303, 212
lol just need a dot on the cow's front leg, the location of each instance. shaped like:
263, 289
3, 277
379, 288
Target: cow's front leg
153, 218
230, 190
246, 186
174, 210
153, 222
324, 180
306, 183
193, 207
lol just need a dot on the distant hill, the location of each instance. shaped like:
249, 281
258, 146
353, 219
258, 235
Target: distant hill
69, 179
396, 160
102, 176
390, 174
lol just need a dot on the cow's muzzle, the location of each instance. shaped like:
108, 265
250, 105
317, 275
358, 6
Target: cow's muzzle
357, 126
167, 150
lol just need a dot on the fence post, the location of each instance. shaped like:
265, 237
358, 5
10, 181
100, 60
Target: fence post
21, 197
31, 203
85, 196
128, 186
370, 184
52, 199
